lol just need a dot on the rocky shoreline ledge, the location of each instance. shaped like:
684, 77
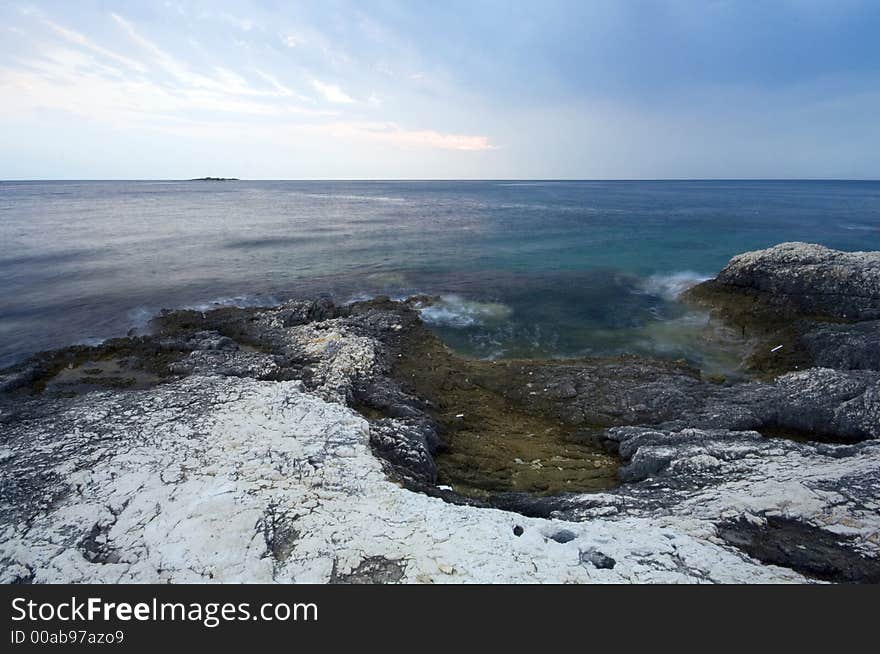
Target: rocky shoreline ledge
319, 443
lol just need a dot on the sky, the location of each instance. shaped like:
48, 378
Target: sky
359, 89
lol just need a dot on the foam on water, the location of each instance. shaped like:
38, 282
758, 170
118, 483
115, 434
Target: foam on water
238, 302
670, 286
354, 198
139, 318
456, 311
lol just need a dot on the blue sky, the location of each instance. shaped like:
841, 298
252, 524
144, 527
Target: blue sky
390, 89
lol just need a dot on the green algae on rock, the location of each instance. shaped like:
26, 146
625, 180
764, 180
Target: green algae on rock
493, 443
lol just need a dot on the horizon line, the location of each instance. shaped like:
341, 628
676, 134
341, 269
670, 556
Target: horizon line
445, 179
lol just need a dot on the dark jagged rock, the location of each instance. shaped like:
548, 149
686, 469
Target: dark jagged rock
815, 552
844, 346
597, 559
299, 312
818, 403
408, 445
372, 570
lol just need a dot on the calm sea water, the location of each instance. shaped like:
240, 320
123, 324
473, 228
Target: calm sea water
524, 268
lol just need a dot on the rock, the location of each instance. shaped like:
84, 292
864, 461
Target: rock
408, 446
809, 507
210, 340
229, 479
19, 376
339, 358
227, 362
597, 560
817, 404
288, 444
372, 570
626, 390
812, 279
563, 536
800, 306
300, 312
781, 541
844, 346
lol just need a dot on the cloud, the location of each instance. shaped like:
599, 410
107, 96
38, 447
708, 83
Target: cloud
274, 83
394, 134
221, 81
103, 86
84, 42
332, 93
330, 132
152, 89
176, 7
162, 58
244, 24
290, 40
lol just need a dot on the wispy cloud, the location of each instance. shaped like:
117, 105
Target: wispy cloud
335, 131
332, 93
100, 84
275, 84
244, 24
162, 58
220, 80
393, 133
149, 87
82, 40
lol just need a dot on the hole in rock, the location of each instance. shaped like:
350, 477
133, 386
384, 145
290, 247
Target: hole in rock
563, 536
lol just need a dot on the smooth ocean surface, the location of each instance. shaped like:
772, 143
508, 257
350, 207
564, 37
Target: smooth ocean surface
524, 268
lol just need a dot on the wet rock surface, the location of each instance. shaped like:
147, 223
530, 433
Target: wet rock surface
802, 305
313, 442
810, 279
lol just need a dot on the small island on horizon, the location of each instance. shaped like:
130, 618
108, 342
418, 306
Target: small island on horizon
214, 179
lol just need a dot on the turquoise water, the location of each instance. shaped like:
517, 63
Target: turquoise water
523, 268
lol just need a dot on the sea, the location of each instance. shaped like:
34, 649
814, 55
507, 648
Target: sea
520, 269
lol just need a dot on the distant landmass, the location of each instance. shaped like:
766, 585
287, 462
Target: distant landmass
215, 179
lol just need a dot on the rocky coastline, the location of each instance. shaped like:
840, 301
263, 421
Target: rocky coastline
312, 442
